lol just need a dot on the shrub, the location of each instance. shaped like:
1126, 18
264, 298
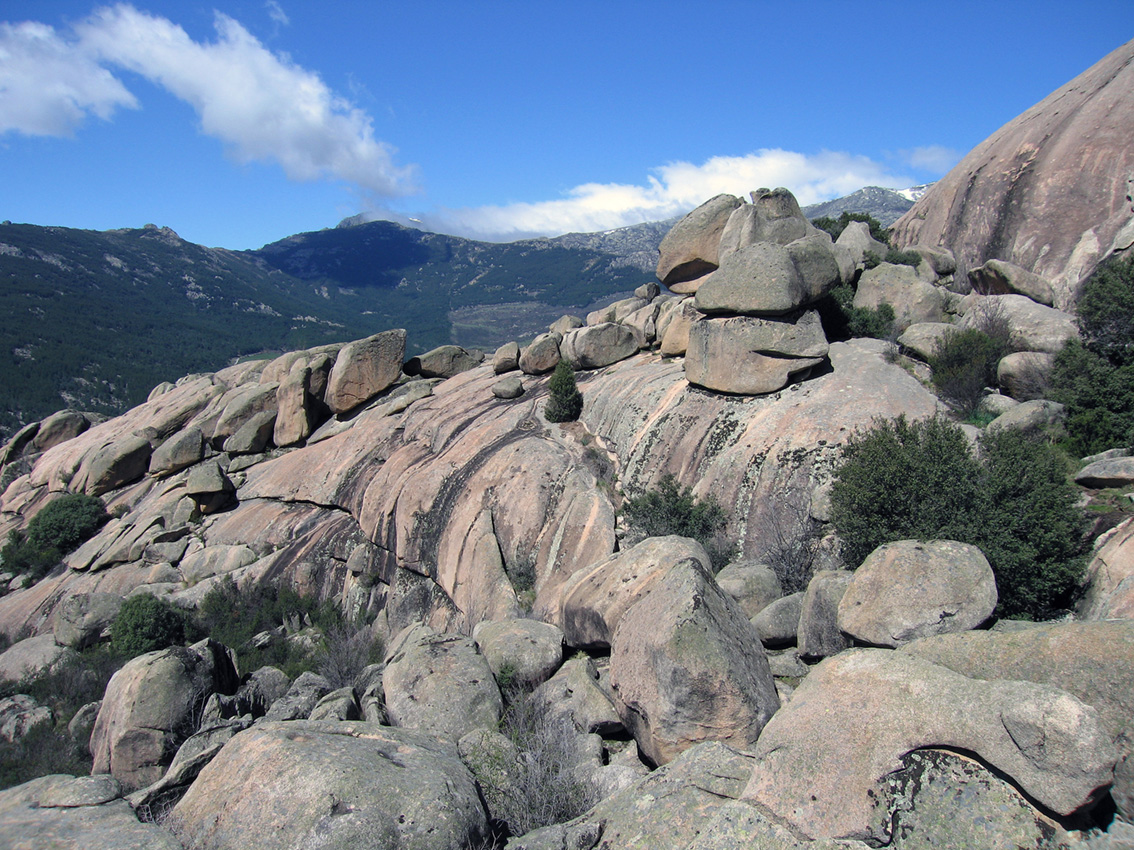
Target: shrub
672, 509
842, 320
1032, 531
58, 528
565, 402
964, 363
145, 623
898, 257
1094, 378
346, 651
66, 522
920, 481
835, 227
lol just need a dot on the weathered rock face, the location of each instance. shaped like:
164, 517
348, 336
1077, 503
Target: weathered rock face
914, 300
823, 760
364, 368
1033, 326
149, 707
818, 632
912, 589
1049, 191
529, 650
541, 355
687, 667
343, 785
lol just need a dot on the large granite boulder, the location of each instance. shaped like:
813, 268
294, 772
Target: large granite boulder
440, 683
59, 427
113, 465
150, 708
577, 692
541, 355
998, 277
594, 599
767, 279
687, 667
778, 623
1093, 661
746, 355
689, 249
365, 368
595, 346
668, 808
31, 656
1025, 375
857, 240
1048, 191
818, 634
754, 586
1109, 589
445, 361
83, 617
75, 813
912, 588
296, 413
1109, 472
183, 449
1033, 327
333, 785
239, 406
913, 299
528, 651
824, 760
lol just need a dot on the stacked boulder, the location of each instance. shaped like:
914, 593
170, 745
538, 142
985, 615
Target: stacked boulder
756, 272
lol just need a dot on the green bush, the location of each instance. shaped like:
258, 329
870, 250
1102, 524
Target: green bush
66, 522
964, 363
145, 623
920, 481
1094, 378
57, 529
672, 509
842, 320
836, 226
898, 257
565, 402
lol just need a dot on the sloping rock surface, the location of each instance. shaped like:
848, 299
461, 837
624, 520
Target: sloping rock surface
1050, 191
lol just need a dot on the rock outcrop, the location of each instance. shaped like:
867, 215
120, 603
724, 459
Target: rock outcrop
1050, 191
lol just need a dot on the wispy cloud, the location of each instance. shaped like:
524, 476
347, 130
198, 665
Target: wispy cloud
670, 190
262, 105
47, 88
277, 14
935, 158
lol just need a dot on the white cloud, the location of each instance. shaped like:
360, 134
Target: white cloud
671, 190
936, 158
262, 105
47, 88
277, 14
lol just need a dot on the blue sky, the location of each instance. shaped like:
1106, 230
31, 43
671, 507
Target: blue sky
239, 122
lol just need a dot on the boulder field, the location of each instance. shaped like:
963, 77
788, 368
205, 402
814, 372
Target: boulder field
551, 678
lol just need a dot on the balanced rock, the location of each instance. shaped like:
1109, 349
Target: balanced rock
746, 355
823, 761
911, 589
1112, 472
365, 368
334, 785
999, 277
687, 667
689, 249
767, 279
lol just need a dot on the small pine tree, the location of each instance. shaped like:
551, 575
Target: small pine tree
565, 402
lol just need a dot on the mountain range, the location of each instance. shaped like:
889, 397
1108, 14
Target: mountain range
94, 319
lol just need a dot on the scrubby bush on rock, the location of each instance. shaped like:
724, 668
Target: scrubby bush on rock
836, 226
904, 480
1094, 378
964, 364
565, 402
673, 509
145, 623
842, 320
58, 528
